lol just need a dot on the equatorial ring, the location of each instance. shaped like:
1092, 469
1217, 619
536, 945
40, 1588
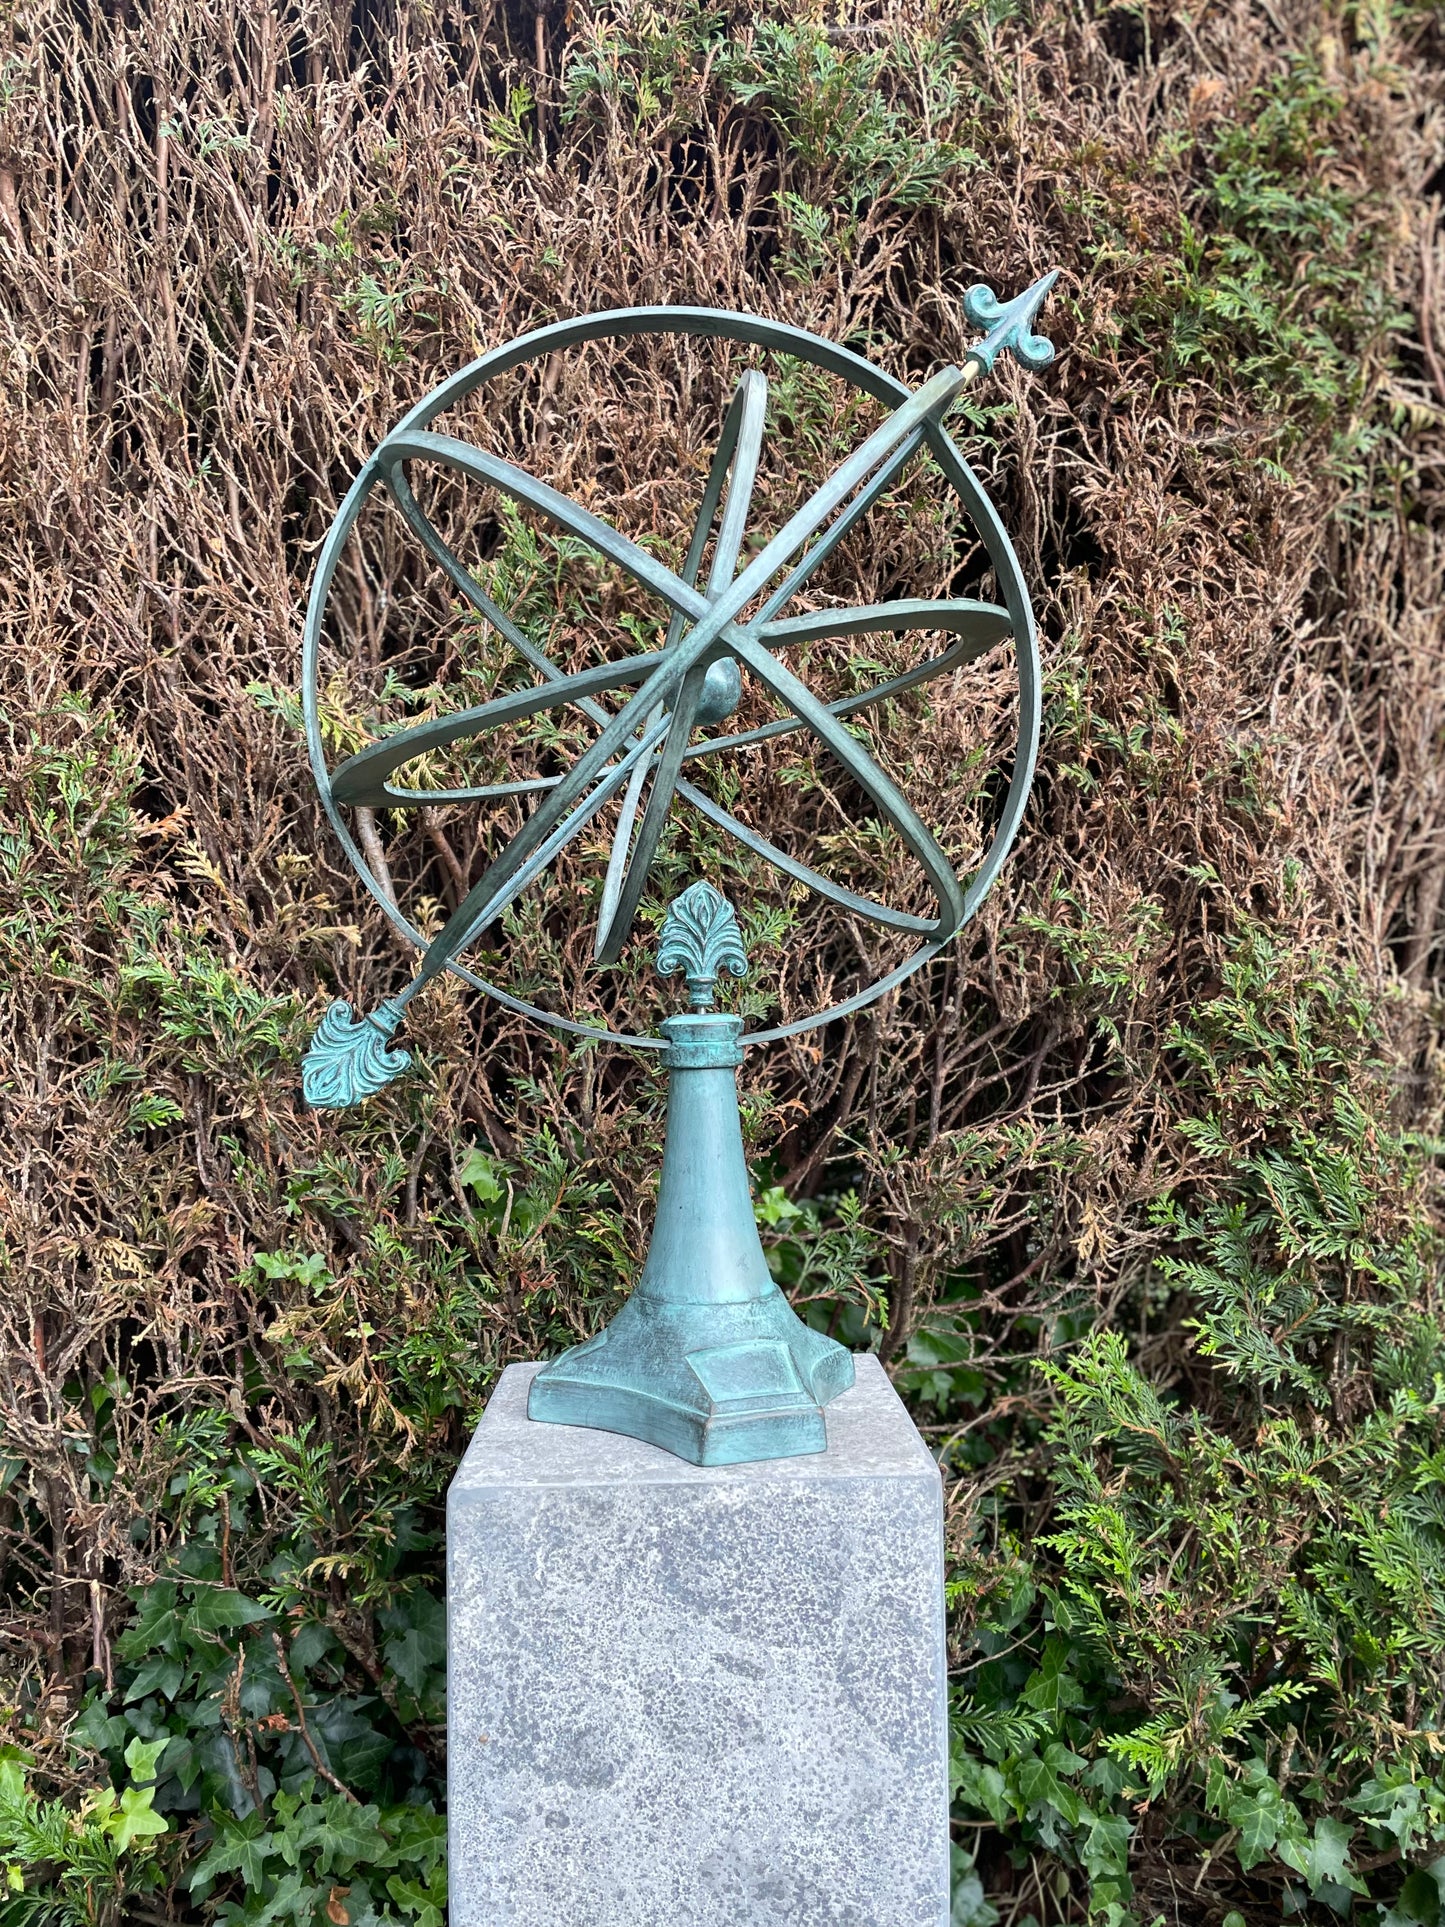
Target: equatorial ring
692, 681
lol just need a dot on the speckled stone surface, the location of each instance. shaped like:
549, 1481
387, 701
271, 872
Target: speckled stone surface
684, 1696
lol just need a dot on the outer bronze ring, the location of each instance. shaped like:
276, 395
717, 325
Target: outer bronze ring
410, 440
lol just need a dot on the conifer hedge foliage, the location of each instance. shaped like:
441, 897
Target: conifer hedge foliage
1137, 1194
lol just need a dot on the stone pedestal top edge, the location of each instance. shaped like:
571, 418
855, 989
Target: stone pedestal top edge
870, 1436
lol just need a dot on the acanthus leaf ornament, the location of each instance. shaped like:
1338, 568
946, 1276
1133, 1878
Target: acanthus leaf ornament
349, 1059
700, 937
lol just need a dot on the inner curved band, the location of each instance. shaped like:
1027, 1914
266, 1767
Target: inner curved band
676, 678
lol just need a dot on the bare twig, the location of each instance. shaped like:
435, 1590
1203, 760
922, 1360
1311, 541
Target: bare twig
307, 1740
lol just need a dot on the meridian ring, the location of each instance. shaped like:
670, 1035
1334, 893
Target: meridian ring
410, 440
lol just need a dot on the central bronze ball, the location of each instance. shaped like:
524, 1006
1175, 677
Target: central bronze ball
722, 689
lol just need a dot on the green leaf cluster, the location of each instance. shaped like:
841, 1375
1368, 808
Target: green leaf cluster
1234, 1625
315, 1857
75, 1864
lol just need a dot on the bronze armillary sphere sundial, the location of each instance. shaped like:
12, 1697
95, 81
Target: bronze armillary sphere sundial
706, 1357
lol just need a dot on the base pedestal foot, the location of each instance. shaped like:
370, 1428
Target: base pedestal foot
755, 1390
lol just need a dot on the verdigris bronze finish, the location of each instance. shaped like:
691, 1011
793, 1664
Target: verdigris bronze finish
707, 1358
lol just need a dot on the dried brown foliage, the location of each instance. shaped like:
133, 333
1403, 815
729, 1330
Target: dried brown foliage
236, 242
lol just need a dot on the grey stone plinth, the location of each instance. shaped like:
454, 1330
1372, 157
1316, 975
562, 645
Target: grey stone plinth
686, 1696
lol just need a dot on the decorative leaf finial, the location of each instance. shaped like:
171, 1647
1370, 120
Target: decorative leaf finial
349, 1059
1007, 323
700, 937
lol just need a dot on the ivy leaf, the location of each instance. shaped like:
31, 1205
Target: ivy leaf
141, 1757
419, 1642
312, 1643
244, 1848
775, 1207
1418, 1904
218, 1609
424, 1904
1053, 1688
970, 1906
98, 1729
480, 1174
1329, 1857
183, 1762
1397, 1808
293, 1900
217, 1756
158, 1675
136, 1819
1042, 1787
1293, 1844
1258, 1822
345, 1836
981, 1786
419, 1834
1106, 1845
350, 1742
158, 1624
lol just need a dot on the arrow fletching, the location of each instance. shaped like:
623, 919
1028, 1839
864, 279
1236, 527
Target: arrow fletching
348, 1058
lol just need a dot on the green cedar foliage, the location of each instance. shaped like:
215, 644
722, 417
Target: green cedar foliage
1232, 1632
